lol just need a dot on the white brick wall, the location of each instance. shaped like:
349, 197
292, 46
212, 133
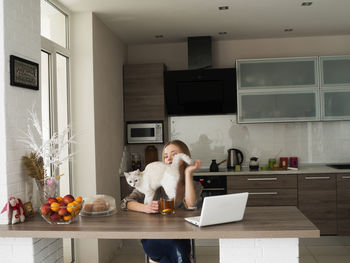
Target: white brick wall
3, 178
14, 250
20, 36
265, 250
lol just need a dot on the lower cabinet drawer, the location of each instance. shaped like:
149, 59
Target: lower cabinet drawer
262, 181
269, 197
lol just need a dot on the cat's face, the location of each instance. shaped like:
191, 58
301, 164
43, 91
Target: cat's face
133, 177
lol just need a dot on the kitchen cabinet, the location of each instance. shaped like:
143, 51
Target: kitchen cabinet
279, 89
335, 87
278, 106
317, 199
144, 92
343, 204
265, 190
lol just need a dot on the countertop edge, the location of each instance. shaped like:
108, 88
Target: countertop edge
161, 235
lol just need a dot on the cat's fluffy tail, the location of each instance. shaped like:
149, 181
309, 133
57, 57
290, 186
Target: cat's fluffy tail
181, 156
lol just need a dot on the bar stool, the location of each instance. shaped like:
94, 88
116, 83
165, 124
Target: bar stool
193, 254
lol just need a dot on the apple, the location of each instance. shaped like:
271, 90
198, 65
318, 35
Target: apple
51, 200
55, 217
46, 209
68, 199
63, 212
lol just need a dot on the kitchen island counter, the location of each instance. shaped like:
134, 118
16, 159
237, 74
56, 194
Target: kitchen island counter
259, 222
263, 230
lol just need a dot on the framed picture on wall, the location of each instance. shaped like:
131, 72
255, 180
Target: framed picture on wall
24, 73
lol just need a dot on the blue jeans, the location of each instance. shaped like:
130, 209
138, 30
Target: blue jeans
168, 250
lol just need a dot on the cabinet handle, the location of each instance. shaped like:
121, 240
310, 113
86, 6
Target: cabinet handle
264, 193
345, 177
317, 177
214, 189
262, 179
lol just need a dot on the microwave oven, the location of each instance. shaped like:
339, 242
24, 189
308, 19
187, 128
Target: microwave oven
144, 132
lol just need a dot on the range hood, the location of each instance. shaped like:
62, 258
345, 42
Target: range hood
199, 52
200, 90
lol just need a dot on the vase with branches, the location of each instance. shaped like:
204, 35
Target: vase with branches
46, 155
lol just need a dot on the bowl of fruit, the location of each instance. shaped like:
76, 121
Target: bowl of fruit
61, 210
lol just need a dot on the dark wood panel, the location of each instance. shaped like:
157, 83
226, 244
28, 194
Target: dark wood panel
143, 71
317, 199
327, 227
343, 204
262, 181
317, 181
270, 197
343, 181
144, 92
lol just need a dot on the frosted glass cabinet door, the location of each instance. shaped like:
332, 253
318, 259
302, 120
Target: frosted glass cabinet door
336, 104
335, 71
277, 73
278, 107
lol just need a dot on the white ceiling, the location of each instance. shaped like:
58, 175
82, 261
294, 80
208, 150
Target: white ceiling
139, 21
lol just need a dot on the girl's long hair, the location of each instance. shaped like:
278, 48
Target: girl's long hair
182, 146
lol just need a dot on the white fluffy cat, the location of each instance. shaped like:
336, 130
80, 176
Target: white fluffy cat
155, 175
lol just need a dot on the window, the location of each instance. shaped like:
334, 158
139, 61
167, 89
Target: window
53, 23
55, 88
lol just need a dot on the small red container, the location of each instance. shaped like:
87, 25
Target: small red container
283, 162
293, 162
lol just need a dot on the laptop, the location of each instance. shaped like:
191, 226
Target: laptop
221, 209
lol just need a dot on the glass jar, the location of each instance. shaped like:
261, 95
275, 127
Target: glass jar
135, 161
272, 163
283, 162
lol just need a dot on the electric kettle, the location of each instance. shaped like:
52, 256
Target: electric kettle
234, 157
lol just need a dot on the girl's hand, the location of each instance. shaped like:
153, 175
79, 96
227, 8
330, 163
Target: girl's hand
152, 207
191, 168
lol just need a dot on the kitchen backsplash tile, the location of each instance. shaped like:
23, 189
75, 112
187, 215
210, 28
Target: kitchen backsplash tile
209, 137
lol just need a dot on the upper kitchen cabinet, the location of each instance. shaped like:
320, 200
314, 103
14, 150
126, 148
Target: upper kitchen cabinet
144, 92
278, 90
277, 73
335, 87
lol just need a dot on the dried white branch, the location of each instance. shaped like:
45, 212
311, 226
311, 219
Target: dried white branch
51, 150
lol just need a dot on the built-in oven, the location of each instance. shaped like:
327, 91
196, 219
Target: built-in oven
144, 132
212, 184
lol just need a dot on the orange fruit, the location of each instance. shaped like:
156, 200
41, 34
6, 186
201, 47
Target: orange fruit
79, 199
59, 199
76, 206
70, 207
67, 218
55, 206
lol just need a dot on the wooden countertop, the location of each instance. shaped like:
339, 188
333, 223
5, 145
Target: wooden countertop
259, 222
305, 169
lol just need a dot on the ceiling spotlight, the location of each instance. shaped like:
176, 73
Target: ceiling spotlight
158, 36
306, 3
288, 30
223, 7
223, 33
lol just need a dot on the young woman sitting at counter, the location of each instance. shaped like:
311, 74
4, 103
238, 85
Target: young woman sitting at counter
188, 195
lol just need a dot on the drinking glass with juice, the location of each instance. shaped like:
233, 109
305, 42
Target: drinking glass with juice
166, 206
